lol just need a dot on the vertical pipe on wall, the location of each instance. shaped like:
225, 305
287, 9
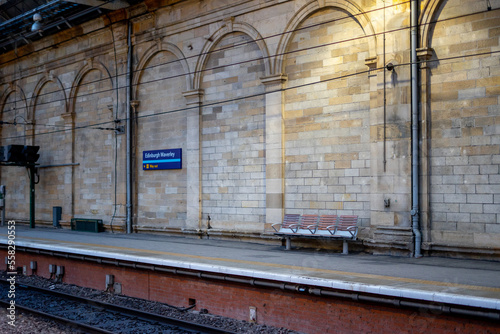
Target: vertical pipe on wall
415, 214
129, 129
385, 103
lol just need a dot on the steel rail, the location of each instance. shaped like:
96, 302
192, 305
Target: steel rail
68, 322
400, 302
146, 316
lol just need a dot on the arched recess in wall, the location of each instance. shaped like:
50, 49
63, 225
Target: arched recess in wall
48, 106
37, 92
313, 6
463, 139
326, 113
427, 16
13, 105
232, 128
19, 103
227, 28
89, 65
162, 75
91, 104
12, 88
150, 53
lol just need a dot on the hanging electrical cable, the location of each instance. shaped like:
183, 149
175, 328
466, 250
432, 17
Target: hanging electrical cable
232, 100
116, 133
247, 42
320, 81
260, 58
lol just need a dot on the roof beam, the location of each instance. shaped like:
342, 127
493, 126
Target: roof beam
111, 5
29, 13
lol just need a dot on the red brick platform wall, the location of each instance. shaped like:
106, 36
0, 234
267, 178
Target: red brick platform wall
275, 307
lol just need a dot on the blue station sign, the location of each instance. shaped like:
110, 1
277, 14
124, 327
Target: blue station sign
162, 159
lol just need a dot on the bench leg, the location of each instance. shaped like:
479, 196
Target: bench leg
288, 244
345, 247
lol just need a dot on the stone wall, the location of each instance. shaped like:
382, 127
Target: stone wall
464, 117
326, 117
278, 107
232, 135
161, 195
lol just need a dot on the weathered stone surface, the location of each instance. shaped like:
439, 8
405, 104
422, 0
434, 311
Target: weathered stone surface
278, 106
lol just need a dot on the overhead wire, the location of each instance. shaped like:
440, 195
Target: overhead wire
241, 44
116, 134
260, 58
272, 36
216, 103
254, 40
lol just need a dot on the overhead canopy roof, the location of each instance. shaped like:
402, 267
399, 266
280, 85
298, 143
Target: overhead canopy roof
16, 17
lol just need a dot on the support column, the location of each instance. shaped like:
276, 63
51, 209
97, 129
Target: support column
134, 104
193, 160
425, 54
30, 133
69, 181
274, 138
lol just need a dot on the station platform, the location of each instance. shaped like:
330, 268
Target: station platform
470, 283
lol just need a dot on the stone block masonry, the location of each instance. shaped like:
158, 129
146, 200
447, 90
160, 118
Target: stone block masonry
278, 107
464, 143
232, 136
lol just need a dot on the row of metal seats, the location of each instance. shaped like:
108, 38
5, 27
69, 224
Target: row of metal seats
345, 225
319, 226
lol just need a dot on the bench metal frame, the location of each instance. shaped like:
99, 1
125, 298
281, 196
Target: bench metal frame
313, 226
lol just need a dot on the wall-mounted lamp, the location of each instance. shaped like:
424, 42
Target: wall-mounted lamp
390, 67
37, 26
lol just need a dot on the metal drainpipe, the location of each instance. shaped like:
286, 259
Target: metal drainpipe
129, 130
415, 211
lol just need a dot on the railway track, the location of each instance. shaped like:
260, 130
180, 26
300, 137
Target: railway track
90, 316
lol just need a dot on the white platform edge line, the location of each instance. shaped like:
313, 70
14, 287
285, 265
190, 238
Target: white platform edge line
441, 297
